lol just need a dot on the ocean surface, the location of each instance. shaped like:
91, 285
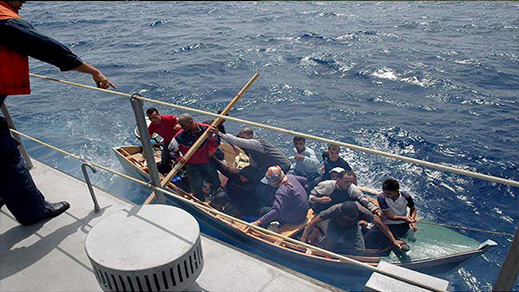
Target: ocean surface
437, 81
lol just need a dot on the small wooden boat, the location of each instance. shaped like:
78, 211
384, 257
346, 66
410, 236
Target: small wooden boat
436, 249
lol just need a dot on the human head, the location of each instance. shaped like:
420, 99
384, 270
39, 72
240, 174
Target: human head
15, 5
390, 188
273, 176
346, 178
333, 151
186, 122
349, 211
246, 133
299, 143
334, 173
249, 173
154, 116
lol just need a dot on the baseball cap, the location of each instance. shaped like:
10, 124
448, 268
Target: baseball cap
337, 170
272, 175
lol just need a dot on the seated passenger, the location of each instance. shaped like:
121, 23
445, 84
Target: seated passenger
240, 188
331, 160
290, 199
330, 192
306, 163
394, 204
343, 234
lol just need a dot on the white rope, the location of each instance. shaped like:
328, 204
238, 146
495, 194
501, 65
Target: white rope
212, 210
307, 136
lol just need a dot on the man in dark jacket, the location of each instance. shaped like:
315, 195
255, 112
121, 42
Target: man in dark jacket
19, 40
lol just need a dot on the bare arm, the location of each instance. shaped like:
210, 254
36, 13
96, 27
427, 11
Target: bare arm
310, 227
387, 232
100, 79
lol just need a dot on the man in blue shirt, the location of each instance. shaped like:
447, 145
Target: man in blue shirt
306, 163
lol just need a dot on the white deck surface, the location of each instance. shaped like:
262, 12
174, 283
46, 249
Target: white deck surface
50, 256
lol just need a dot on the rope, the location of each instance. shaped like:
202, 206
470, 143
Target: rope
212, 210
307, 136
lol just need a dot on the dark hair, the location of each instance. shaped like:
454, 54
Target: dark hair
390, 185
299, 138
346, 172
331, 145
349, 209
151, 110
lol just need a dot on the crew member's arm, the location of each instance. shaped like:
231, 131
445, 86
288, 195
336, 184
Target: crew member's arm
20, 36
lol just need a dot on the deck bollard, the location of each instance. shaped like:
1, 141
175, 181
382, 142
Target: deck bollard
146, 248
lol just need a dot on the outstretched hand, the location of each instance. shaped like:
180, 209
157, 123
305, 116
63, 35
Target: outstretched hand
101, 80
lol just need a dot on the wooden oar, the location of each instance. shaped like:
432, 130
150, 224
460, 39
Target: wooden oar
202, 138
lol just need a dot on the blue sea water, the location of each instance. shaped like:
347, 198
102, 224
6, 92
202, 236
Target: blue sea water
437, 81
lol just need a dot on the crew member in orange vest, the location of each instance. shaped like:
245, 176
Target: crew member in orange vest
18, 40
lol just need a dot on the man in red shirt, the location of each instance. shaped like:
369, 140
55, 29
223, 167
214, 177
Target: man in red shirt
167, 127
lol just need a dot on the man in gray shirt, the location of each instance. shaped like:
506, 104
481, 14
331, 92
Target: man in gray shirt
329, 193
344, 233
262, 154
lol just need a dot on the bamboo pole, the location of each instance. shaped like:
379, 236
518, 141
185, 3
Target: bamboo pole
202, 138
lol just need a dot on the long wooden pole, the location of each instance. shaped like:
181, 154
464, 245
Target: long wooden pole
202, 138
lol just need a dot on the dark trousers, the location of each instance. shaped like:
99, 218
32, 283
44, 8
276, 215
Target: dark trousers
164, 166
376, 239
17, 189
198, 173
344, 240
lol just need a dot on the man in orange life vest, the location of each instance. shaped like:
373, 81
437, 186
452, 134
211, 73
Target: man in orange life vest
18, 40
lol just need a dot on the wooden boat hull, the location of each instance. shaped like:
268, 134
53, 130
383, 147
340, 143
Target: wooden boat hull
436, 250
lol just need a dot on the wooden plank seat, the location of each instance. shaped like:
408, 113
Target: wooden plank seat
290, 230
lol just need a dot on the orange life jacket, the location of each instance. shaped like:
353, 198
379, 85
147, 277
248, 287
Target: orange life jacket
14, 67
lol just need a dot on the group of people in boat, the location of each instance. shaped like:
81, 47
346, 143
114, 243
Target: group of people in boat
265, 188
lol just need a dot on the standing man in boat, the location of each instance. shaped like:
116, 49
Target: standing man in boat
199, 166
394, 204
18, 41
167, 127
262, 154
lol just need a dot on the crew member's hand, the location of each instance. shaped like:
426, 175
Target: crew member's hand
101, 80
177, 127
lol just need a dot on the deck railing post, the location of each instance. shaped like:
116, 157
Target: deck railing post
510, 268
21, 147
137, 106
89, 184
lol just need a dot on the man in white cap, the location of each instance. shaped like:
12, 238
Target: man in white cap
290, 204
